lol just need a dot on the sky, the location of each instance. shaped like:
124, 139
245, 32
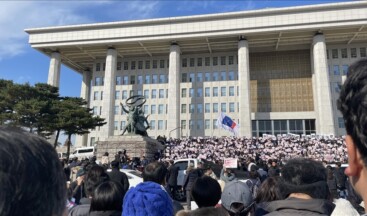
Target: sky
20, 63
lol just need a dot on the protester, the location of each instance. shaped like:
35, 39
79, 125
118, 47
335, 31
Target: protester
32, 181
107, 200
352, 104
206, 192
118, 176
172, 178
268, 191
190, 178
77, 188
227, 175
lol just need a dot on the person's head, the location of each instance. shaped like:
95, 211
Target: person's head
274, 163
155, 172
237, 198
108, 196
269, 190
94, 177
206, 191
32, 181
106, 154
352, 104
208, 171
304, 176
147, 198
115, 164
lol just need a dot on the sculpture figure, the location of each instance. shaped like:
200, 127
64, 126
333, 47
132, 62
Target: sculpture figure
137, 122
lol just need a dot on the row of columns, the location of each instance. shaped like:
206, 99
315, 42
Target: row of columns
320, 77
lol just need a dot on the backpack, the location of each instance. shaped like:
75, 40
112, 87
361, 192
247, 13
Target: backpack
254, 186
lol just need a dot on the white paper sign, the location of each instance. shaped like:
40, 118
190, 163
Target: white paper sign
230, 163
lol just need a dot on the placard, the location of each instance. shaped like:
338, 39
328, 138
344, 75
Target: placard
230, 163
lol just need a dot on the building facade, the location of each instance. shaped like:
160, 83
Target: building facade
273, 71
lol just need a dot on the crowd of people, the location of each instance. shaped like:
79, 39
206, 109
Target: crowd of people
33, 181
329, 150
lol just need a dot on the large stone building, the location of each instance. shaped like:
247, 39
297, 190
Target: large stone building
273, 71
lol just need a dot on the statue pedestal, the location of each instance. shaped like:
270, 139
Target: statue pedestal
135, 145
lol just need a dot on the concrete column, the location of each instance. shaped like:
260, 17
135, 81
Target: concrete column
85, 94
54, 70
244, 89
173, 121
108, 102
325, 117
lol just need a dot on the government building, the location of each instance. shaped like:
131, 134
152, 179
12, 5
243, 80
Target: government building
273, 71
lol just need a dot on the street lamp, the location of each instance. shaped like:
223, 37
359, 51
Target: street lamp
169, 135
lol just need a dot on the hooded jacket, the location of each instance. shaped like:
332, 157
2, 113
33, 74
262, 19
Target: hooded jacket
295, 206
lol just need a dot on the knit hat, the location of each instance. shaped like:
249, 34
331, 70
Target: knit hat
147, 199
236, 192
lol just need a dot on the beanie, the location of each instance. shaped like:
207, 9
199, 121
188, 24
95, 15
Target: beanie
147, 199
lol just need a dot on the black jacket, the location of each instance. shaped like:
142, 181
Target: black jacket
172, 175
120, 177
191, 177
105, 213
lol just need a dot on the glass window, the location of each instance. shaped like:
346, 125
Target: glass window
199, 77
362, 51
155, 64
192, 108
183, 108
341, 122
215, 91
117, 95
161, 63
125, 80
200, 124
199, 92
140, 79
230, 60
147, 79
116, 125
117, 110
184, 62
207, 76
160, 109
215, 126
118, 67
140, 65
344, 53
101, 95
334, 53
124, 94
336, 70
126, 65
146, 109
152, 124
98, 67
207, 61
231, 107
161, 93
184, 77
200, 108
152, 109
95, 110
132, 79
96, 95
215, 61
215, 76
139, 92
160, 124
147, 64
183, 92
223, 91
192, 77
162, 78
223, 107
223, 76
123, 125
222, 60
345, 69
131, 93
183, 124
154, 93
353, 52
192, 62
192, 92
104, 66
231, 91
100, 110
207, 91
231, 75
207, 107
200, 62
215, 107
155, 78
337, 87
133, 65
118, 80
191, 122
207, 124
98, 81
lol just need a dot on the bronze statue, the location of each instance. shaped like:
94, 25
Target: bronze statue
136, 118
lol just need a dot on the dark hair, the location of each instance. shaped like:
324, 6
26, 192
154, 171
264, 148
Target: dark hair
115, 164
269, 190
155, 172
108, 196
352, 103
95, 176
303, 175
32, 181
206, 191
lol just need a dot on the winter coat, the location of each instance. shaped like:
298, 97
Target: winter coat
191, 177
120, 177
105, 213
82, 209
172, 175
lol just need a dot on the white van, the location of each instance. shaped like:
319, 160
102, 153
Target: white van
84, 152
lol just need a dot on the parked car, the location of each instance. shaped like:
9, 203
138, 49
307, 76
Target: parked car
84, 152
134, 176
